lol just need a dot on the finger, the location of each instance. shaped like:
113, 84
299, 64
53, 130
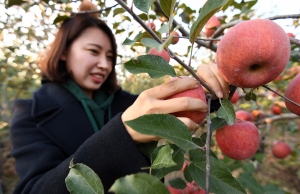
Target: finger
189, 123
224, 85
210, 74
181, 104
172, 87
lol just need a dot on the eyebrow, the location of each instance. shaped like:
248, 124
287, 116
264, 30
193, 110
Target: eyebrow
99, 47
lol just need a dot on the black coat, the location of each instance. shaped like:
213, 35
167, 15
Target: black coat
52, 128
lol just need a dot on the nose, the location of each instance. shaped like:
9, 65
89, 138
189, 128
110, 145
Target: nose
103, 62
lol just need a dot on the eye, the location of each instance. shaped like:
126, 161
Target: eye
110, 57
94, 51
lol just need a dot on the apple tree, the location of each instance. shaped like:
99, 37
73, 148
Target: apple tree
221, 157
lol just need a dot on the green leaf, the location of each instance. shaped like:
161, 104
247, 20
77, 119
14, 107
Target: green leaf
187, 174
227, 5
217, 123
15, 2
154, 65
272, 189
226, 112
221, 179
259, 157
248, 168
138, 183
249, 182
118, 11
195, 152
177, 157
60, 18
177, 183
167, 6
82, 179
164, 29
165, 126
163, 158
149, 42
143, 5
147, 148
207, 11
130, 42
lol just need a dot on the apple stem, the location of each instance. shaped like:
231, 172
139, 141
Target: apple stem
267, 87
207, 145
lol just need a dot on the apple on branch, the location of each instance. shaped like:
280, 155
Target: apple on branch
244, 115
235, 97
212, 24
175, 40
253, 53
281, 149
292, 92
164, 54
239, 141
290, 34
276, 110
151, 25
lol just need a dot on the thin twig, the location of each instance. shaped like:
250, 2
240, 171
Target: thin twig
79, 12
295, 41
284, 116
294, 16
155, 37
207, 145
267, 87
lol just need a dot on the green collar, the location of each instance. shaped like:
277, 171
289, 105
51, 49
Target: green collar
97, 109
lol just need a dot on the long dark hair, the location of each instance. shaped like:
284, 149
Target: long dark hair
54, 69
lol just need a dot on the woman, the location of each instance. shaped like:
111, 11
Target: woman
79, 111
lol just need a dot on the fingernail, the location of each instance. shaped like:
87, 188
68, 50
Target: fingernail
220, 94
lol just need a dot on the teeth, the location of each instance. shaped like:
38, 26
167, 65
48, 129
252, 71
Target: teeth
98, 76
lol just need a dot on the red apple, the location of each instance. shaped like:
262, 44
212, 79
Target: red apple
248, 55
151, 25
193, 188
175, 40
290, 34
235, 97
198, 92
276, 110
281, 150
239, 141
183, 166
174, 191
292, 92
212, 24
243, 115
87, 5
164, 54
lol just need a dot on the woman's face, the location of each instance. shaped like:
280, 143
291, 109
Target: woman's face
89, 59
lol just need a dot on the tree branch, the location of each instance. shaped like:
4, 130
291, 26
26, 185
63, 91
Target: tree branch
79, 12
283, 116
294, 16
267, 87
155, 37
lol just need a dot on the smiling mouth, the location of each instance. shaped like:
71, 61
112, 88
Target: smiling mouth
98, 76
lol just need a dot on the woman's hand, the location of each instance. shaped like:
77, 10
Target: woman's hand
209, 73
152, 101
